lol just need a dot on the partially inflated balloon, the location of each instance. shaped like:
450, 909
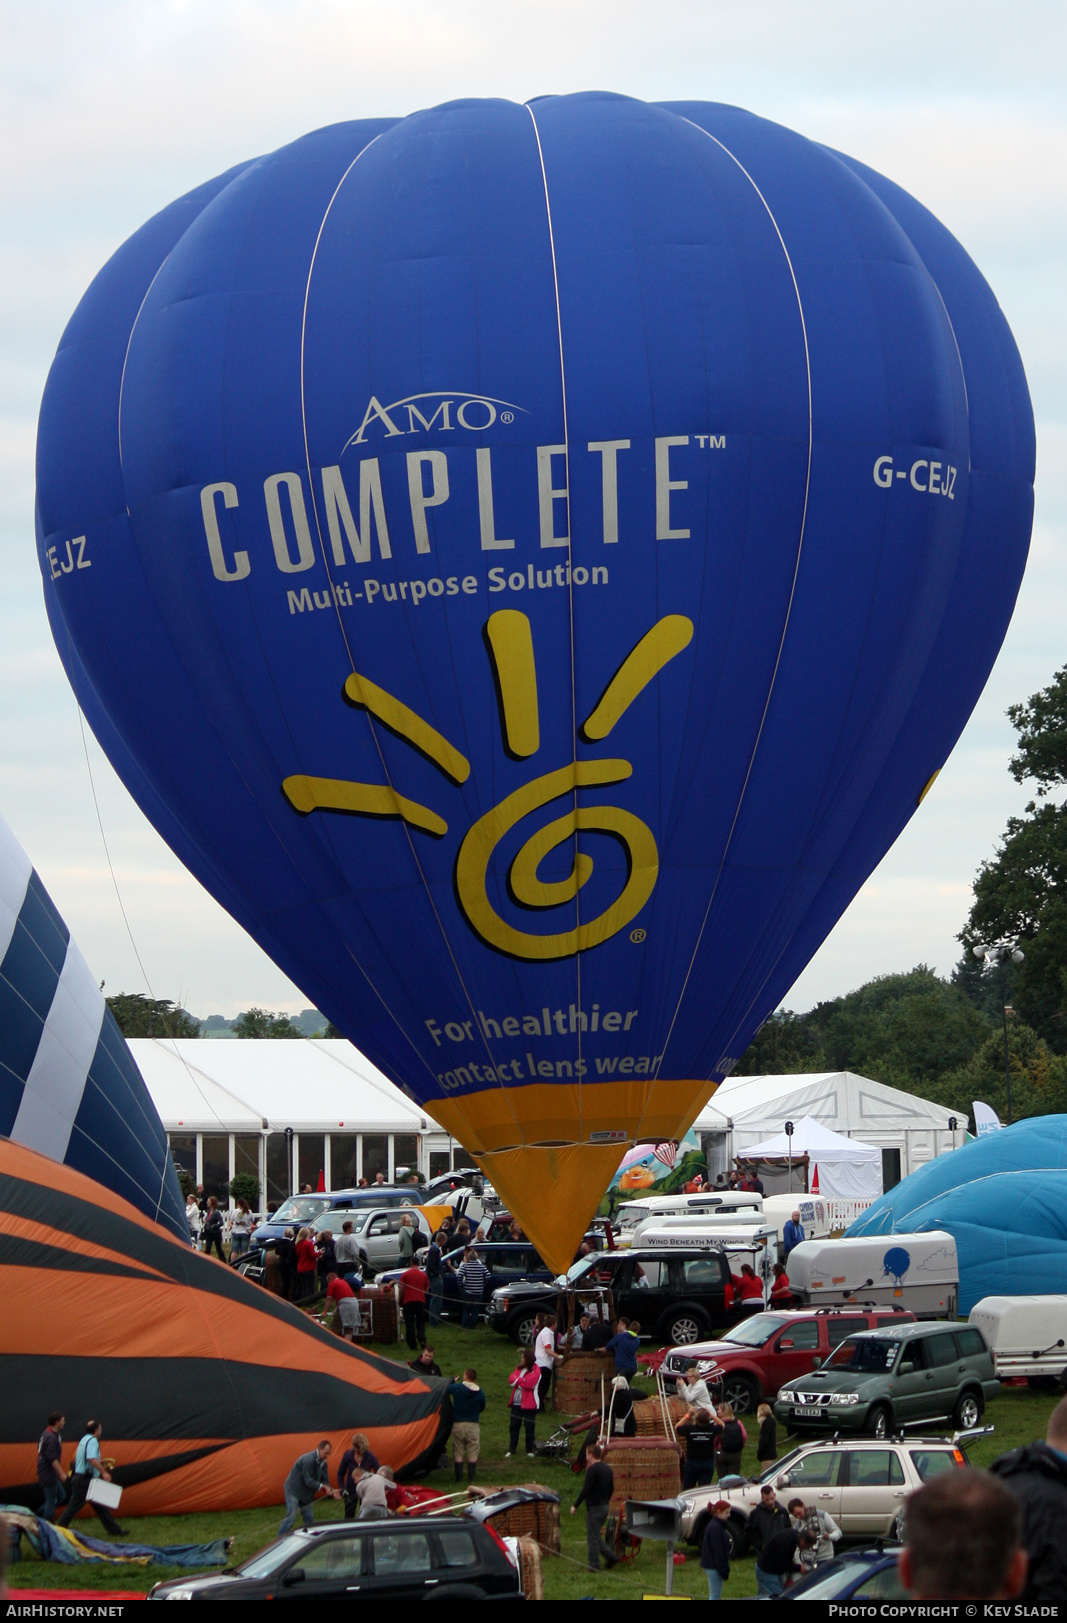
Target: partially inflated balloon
530, 563
69, 1086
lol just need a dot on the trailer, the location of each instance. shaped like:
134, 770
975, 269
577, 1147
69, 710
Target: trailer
919, 1272
1027, 1336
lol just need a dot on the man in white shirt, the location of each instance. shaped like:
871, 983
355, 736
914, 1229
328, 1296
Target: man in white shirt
545, 1356
693, 1390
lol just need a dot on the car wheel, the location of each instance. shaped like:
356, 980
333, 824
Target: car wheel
897, 1530
685, 1327
740, 1393
968, 1411
524, 1330
878, 1421
735, 1532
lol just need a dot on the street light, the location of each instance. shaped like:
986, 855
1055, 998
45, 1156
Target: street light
952, 1125
1002, 952
789, 1136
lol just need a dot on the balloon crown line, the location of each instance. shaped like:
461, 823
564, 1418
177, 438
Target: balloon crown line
510, 642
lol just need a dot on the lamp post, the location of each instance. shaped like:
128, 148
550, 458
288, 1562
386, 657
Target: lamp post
789, 1136
289, 1158
952, 1125
1002, 952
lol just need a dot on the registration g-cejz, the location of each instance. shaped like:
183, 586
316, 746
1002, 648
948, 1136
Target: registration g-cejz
931, 478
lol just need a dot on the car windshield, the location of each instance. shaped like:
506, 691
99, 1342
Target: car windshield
755, 1331
300, 1209
601, 1260
873, 1356
268, 1560
773, 1472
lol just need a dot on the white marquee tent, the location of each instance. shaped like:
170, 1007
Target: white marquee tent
845, 1167
745, 1110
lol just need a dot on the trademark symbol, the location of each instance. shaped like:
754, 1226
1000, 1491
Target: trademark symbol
637, 936
507, 416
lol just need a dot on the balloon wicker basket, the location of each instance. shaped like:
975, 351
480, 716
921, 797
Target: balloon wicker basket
650, 1417
533, 1519
386, 1311
581, 1379
643, 1468
531, 1575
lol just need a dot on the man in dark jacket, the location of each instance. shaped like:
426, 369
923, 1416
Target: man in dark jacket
1037, 1476
309, 1477
768, 1517
596, 1491
777, 1561
715, 1549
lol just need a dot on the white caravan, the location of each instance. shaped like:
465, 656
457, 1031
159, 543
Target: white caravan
633, 1212
918, 1272
1027, 1335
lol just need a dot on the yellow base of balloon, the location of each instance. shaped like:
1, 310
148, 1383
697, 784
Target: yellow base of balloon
550, 1183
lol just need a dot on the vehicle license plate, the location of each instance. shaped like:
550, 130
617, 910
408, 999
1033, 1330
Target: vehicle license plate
808, 1410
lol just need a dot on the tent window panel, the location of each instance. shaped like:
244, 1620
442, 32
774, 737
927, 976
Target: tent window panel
278, 1171
312, 1158
890, 1169
246, 1156
343, 1160
216, 1153
439, 1163
461, 1158
183, 1151
405, 1153
375, 1155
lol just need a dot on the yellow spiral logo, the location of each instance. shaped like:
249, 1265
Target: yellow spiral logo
481, 841
511, 644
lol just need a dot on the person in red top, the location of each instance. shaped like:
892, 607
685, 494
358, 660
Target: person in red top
338, 1290
751, 1284
781, 1290
414, 1285
306, 1262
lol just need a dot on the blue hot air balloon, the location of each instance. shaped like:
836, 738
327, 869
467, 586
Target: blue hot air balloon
1002, 1197
69, 1087
530, 562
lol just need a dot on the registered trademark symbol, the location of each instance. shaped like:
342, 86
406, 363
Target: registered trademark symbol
637, 936
507, 416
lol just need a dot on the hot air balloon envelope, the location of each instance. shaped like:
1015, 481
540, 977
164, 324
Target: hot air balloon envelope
530, 561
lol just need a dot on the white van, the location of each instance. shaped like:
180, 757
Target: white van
633, 1212
918, 1272
713, 1223
1027, 1335
814, 1213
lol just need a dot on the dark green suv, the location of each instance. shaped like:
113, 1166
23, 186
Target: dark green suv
883, 1380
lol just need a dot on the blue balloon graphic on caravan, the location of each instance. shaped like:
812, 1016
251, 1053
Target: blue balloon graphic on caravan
896, 1263
530, 562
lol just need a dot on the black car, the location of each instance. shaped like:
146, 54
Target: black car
416, 1559
676, 1293
507, 1262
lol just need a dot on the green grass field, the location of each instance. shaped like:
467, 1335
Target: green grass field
1018, 1415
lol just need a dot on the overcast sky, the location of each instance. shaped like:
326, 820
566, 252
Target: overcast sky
110, 110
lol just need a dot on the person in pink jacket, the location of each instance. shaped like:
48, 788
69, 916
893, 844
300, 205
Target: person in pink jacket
523, 1403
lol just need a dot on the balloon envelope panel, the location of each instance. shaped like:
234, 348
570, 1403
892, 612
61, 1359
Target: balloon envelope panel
1003, 1197
528, 565
208, 1387
69, 1087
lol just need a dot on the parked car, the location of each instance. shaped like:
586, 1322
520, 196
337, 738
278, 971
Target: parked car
378, 1233
883, 1380
438, 1190
377, 1560
508, 1264
300, 1211
856, 1575
677, 1293
861, 1482
753, 1360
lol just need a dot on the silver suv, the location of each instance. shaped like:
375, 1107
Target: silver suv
862, 1483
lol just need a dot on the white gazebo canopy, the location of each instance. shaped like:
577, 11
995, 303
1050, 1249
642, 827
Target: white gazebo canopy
846, 1167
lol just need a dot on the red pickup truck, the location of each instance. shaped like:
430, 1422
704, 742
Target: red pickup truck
751, 1361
